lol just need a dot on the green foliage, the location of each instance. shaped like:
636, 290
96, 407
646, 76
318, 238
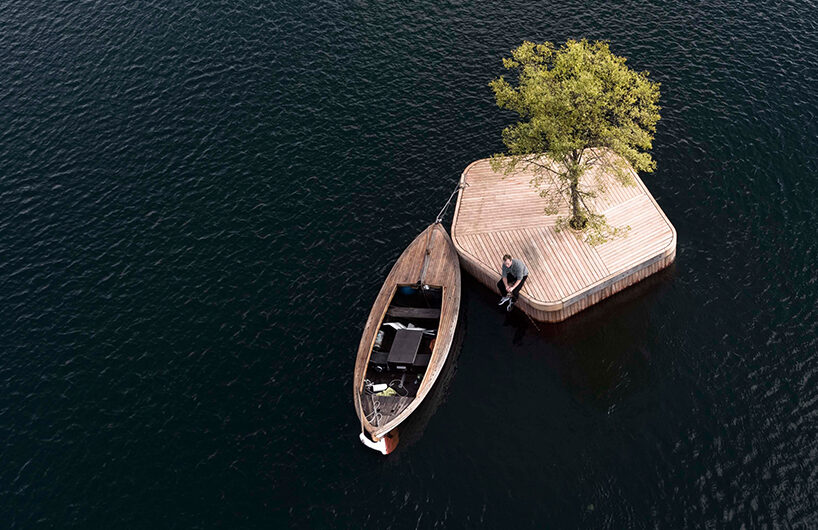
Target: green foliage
577, 104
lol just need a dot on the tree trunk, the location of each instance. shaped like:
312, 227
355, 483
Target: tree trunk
577, 220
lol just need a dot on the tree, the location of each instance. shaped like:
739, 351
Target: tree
578, 105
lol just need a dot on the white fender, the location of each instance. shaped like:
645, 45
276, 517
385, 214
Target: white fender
380, 445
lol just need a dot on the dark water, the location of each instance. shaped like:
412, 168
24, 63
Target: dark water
198, 202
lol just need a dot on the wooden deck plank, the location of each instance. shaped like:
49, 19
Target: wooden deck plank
567, 241
561, 283
546, 282
557, 290
568, 261
567, 278
487, 252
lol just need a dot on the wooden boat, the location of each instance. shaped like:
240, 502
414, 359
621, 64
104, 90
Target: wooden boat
407, 336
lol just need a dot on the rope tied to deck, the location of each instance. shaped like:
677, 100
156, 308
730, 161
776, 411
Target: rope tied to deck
460, 186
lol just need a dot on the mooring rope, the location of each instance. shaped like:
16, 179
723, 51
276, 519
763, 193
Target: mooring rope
459, 187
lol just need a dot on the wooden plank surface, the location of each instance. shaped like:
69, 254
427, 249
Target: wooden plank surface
498, 214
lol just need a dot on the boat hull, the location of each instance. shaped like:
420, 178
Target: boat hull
432, 259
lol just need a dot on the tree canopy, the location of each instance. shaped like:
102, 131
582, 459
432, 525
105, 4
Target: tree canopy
576, 104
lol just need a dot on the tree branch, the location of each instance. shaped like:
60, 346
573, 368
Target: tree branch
533, 162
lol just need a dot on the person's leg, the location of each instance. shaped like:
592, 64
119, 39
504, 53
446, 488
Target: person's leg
510, 279
502, 288
516, 292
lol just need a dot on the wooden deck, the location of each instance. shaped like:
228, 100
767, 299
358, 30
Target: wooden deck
499, 214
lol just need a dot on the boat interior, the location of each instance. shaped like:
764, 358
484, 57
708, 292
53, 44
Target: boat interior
402, 351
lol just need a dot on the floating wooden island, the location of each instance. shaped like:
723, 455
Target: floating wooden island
498, 214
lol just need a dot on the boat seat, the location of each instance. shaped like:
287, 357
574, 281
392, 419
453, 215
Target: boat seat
414, 312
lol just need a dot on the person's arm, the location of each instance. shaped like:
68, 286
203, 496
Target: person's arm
505, 281
517, 271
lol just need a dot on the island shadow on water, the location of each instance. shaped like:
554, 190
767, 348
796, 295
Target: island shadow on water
601, 355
